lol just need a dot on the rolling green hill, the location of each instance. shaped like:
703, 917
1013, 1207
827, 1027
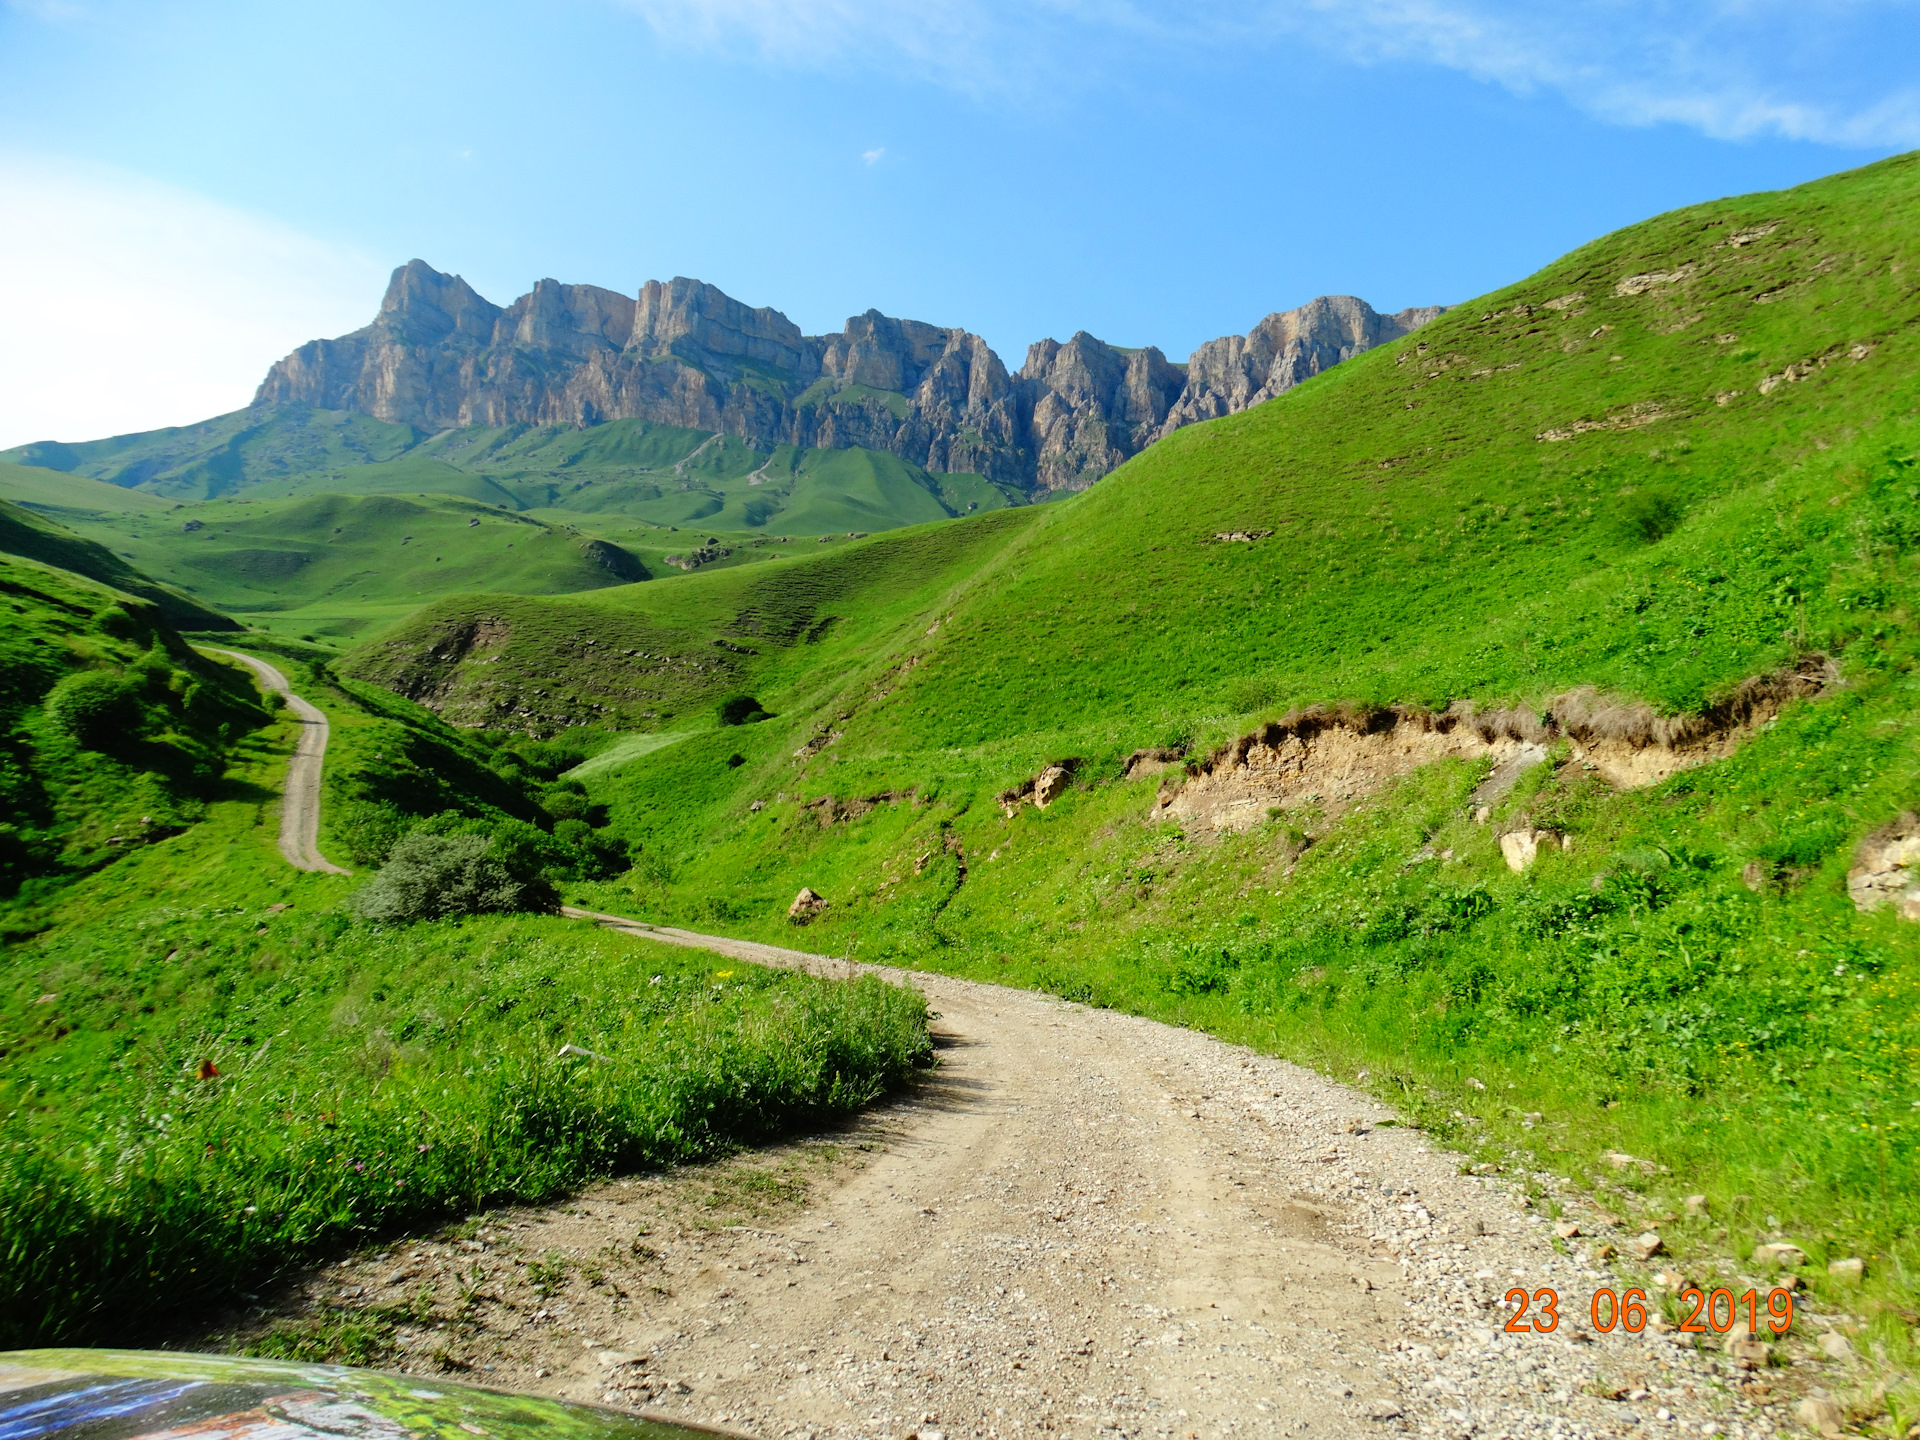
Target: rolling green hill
1659, 495
56, 493
34, 537
651, 475
333, 564
658, 652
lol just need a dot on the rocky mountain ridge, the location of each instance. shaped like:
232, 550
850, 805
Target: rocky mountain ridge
682, 352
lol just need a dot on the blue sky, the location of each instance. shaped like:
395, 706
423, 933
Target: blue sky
195, 186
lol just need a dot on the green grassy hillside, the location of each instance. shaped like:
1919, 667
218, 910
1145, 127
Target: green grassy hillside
114, 733
1681, 457
211, 1068
334, 564
211, 1071
55, 493
650, 656
654, 475
34, 537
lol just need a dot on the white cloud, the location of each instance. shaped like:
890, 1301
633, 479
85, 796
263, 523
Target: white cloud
872, 157
1831, 71
130, 304
1835, 72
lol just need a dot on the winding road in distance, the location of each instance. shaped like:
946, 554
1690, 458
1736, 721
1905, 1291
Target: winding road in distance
300, 808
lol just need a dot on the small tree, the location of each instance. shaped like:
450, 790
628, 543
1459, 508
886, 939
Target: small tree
431, 877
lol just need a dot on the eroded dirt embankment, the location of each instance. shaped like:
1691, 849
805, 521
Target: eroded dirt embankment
1330, 756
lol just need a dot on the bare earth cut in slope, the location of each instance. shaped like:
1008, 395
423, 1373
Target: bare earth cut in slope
1328, 758
300, 805
1082, 1223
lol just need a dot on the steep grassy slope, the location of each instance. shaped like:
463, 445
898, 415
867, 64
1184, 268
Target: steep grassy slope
1681, 457
114, 734
1476, 514
658, 475
34, 537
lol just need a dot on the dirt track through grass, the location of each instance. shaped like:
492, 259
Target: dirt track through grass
300, 805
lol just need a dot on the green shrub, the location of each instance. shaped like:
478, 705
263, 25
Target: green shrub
96, 708
565, 800
432, 877
117, 623
1650, 515
740, 710
369, 829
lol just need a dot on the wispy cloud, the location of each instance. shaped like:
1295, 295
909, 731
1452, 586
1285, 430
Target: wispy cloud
132, 304
873, 156
1836, 72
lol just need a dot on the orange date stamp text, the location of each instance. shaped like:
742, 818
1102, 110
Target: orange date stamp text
1537, 1312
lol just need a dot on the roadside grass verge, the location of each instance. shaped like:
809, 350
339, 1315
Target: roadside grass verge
359, 1079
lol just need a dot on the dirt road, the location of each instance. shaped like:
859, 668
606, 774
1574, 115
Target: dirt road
300, 807
1081, 1224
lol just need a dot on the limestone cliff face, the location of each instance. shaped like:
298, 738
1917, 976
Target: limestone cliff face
1229, 374
1093, 406
682, 352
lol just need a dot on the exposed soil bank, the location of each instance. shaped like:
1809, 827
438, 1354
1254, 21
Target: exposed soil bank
1330, 756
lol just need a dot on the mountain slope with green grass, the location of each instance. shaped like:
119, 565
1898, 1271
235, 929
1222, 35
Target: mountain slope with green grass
1683, 458
653, 476
35, 537
334, 564
214, 1066
650, 656
56, 493
114, 733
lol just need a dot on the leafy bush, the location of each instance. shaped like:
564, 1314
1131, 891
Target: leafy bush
1650, 515
740, 710
1201, 969
431, 877
369, 829
566, 800
117, 623
96, 708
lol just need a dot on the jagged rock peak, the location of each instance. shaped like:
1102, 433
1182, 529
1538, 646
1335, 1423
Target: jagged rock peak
438, 354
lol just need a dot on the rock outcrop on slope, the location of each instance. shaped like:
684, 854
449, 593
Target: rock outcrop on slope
683, 352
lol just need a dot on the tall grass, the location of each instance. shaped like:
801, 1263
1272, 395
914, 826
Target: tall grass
393, 1076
